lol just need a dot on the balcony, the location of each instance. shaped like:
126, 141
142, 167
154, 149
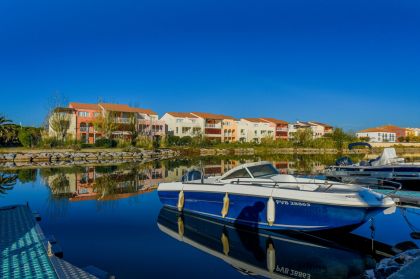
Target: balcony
213, 132
122, 120
281, 129
213, 126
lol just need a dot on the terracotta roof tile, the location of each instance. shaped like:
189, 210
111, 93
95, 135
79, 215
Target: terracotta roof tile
84, 106
320, 124
386, 128
274, 120
255, 120
212, 116
144, 111
182, 114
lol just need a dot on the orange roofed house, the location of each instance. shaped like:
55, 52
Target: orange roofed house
216, 127
387, 133
83, 117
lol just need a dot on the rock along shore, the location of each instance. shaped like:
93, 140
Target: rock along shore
16, 159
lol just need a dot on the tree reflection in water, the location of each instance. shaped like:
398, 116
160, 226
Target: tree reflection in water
7, 181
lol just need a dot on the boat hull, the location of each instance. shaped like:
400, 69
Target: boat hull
289, 214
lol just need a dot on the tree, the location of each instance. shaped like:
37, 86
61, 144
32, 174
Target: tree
303, 137
106, 124
339, 138
8, 131
60, 123
132, 127
29, 137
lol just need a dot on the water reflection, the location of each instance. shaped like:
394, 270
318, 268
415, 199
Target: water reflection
100, 216
110, 182
7, 181
267, 254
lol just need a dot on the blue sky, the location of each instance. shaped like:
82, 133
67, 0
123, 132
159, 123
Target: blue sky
353, 64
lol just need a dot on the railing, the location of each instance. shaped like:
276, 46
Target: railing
281, 129
123, 120
217, 126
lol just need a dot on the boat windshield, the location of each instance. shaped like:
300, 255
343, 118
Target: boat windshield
263, 170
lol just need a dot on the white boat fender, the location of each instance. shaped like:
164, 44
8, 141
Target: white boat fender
225, 244
181, 201
271, 258
271, 211
225, 209
180, 228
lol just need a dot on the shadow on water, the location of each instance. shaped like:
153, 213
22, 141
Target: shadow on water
248, 219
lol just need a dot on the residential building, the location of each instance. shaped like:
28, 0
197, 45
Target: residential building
213, 125
318, 129
230, 130
387, 133
84, 117
412, 132
182, 124
281, 131
377, 135
258, 129
60, 115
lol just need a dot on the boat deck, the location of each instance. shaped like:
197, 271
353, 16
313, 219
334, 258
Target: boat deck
24, 248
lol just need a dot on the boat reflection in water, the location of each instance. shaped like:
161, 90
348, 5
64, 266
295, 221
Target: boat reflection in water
262, 253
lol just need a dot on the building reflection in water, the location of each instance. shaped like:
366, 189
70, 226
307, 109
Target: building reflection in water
126, 180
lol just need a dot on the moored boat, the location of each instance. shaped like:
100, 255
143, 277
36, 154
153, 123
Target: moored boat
387, 169
256, 195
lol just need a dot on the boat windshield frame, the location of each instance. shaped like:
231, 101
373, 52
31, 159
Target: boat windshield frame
253, 170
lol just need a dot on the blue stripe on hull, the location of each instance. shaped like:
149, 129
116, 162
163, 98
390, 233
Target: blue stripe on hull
252, 211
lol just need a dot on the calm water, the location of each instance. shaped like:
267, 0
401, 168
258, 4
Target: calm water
109, 217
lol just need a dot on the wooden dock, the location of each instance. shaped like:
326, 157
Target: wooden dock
26, 252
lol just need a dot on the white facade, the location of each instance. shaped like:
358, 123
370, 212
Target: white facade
378, 136
63, 115
258, 129
318, 130
183, 125
242, 131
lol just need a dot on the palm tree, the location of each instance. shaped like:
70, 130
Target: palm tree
7, 182
7, 130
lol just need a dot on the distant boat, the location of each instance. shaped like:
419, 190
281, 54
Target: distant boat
256, 195
260, 253
387, 169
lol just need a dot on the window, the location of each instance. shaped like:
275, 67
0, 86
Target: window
83, 114
263, 170
238, 174
179, 120
177, 130
96, 114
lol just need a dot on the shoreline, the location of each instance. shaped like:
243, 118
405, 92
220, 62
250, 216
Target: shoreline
22, 158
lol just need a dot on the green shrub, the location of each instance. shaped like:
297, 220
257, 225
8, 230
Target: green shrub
29, 137
123, 143
144, 142
106, 143
87, 145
